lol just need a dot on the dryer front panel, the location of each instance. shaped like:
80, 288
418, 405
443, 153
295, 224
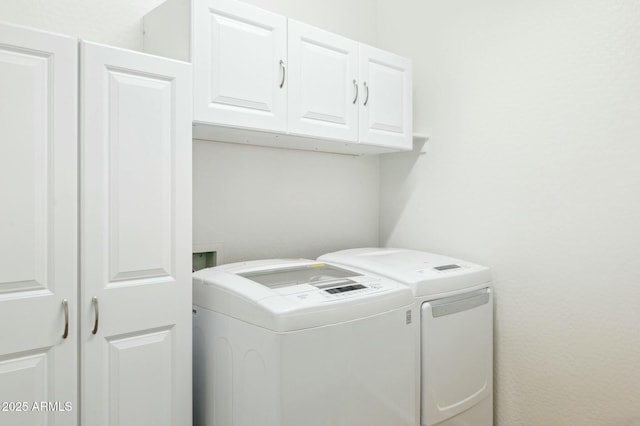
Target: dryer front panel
457, 353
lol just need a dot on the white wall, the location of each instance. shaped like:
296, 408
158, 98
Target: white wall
255, 202
113, 22
260, 202
355, 19
533, 108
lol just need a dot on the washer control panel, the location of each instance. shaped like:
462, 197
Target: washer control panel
345, 288
337, 289
348, 287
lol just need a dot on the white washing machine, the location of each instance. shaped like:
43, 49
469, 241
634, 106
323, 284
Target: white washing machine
455, 302
302, 343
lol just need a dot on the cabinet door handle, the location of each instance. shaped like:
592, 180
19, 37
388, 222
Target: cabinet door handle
65, 308
94, 301
355, 86
366, 97
284, 73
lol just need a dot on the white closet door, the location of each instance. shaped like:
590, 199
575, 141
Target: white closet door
239, 56
323, 83
386, 109
136, 238
38, 226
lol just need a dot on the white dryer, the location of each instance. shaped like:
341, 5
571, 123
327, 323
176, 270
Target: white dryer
302, 343
455, 302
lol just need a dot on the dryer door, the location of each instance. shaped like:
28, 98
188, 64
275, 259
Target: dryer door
457, 355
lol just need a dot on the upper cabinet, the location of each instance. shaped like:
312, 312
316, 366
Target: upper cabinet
323, 83
263, 79
386, 110
241, 52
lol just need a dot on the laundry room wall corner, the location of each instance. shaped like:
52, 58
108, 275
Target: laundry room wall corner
532, 112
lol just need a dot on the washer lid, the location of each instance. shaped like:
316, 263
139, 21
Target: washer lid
295, 275
293, 294
427, 274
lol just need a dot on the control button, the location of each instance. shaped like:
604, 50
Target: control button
446, 267
345, 288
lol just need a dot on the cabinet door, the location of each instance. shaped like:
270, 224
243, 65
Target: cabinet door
239, 56
135, 238
38, 227
323, 83
386, 107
